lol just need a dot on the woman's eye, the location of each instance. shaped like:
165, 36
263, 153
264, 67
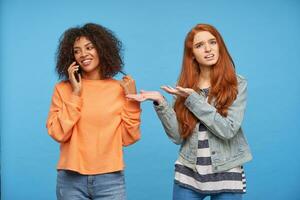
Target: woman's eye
90, 48
213, 42
198, 45
76, 51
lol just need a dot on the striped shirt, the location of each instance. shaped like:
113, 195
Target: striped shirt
203, 180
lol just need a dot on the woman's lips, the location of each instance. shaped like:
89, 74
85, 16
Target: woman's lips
209, 56
86, 62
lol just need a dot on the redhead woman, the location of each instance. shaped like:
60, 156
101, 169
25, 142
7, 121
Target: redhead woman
206, 119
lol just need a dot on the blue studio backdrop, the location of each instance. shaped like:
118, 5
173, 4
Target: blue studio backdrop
262, 37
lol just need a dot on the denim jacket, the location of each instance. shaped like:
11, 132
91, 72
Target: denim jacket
227, 143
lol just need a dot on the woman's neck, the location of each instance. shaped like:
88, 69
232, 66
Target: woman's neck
204, 77
94, 75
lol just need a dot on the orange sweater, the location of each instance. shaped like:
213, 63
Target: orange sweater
93, 128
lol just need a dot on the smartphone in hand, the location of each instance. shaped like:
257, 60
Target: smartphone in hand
76, 73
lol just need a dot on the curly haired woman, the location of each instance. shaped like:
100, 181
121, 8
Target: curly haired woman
89, 115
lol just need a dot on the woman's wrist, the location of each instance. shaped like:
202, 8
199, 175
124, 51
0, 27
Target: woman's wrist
158, 101
76, 92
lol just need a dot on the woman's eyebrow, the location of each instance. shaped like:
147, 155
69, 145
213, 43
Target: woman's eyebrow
87, 44
76, 47
198, 43
212, 39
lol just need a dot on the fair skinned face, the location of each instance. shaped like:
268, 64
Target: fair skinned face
86, 56
205, 48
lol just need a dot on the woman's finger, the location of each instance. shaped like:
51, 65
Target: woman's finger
136, 97
72, 65
169, 90
169, 86
72, 69
149, 92
180, 89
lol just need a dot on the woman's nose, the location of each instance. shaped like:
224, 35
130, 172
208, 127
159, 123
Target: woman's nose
207, 48
83, 53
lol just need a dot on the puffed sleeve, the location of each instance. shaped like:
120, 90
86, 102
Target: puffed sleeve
63, 115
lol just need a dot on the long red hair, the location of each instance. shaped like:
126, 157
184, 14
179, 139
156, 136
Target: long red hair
223, 90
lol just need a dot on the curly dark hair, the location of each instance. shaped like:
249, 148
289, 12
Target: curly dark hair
108, 47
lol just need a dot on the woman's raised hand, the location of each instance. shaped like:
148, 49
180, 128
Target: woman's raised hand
156, 96
146, 95
76, 85
178, 91
128, 85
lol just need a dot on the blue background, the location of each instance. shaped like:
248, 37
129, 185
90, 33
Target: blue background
262, 37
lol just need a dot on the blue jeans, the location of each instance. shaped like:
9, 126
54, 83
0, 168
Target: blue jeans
182, 193
74, 186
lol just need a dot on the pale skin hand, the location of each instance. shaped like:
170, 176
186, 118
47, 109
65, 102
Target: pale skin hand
178, 91
146, 95
156, 96
128, 85
76, 86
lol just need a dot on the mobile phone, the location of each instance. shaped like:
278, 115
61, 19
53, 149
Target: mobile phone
76, 73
